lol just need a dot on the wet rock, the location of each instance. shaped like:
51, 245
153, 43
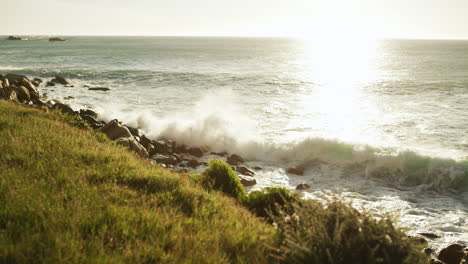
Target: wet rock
180, 149
163, 146
13, 38
63, 108
452, 254
88, 112
165, 159
297, 170
68, 98
429, 235
98, 89
61, 80
245, 171
303, 186
5, 81
197, 152
193, 163
50, 84
93, 122
37, 80
234, 160
257, 168
56, 39
114, 130
22, 93
247, 181
13, 78
428, 251
132, 145
222, 154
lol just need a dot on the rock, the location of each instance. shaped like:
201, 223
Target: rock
61, 80
257, 168
302, 186
165, 159
180, 149
93, 122
222, 154
50, 84
114, 130
132, 145
428, 251
56, 39
135, 131
429, 235
197, 152
37, 80
151, 149
193, 163
145, 141
5, 81
247, 181
63, 108
36, 84
99, 89
22, 93
234, 160
88, 112
245, 171
418, 240
163, 146
13, 38
68, 98
452, 254
436, 261
13, 78
297, 170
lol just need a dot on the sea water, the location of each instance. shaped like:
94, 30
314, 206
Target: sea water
381, 124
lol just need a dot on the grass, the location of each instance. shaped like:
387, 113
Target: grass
68, 195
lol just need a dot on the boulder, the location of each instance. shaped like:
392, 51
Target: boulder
22, 93
234, 160
31, 88
50, 84
61, 80
13, 38
11, 95
165, 159
180, 149
5, 81
56, 39
245, 171
114, 130
193, 163
197, 152
297, 170
257, 168
302, 186
247, 181
37, 80
162, 146
132, 145
429, 235
452, 254
222, 154
14, 77
63, 108
88, 112
99, 89
93, 122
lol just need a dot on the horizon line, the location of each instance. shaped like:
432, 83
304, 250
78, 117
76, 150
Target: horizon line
225, 36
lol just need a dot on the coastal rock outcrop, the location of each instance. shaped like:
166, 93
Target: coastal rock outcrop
61, 80
197, 152
297, 170
13, 38
452, 254
131, 144
57, 39
63, 108
247, 181
114, 130
234, 160
303, 186
245, 171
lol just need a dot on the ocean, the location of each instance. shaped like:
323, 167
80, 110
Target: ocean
381, 124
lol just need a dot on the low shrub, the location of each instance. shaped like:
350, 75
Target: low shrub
269, 201
338, 234
220, 176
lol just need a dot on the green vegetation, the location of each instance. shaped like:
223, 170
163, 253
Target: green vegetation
220, 176
69, 195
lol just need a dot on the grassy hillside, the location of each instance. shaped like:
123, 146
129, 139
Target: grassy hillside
68, 195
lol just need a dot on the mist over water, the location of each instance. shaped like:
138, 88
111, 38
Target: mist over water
379, 123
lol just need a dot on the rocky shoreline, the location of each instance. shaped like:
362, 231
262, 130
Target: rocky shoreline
165, 152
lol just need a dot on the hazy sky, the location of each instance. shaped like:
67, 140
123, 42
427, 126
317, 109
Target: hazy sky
308, 18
